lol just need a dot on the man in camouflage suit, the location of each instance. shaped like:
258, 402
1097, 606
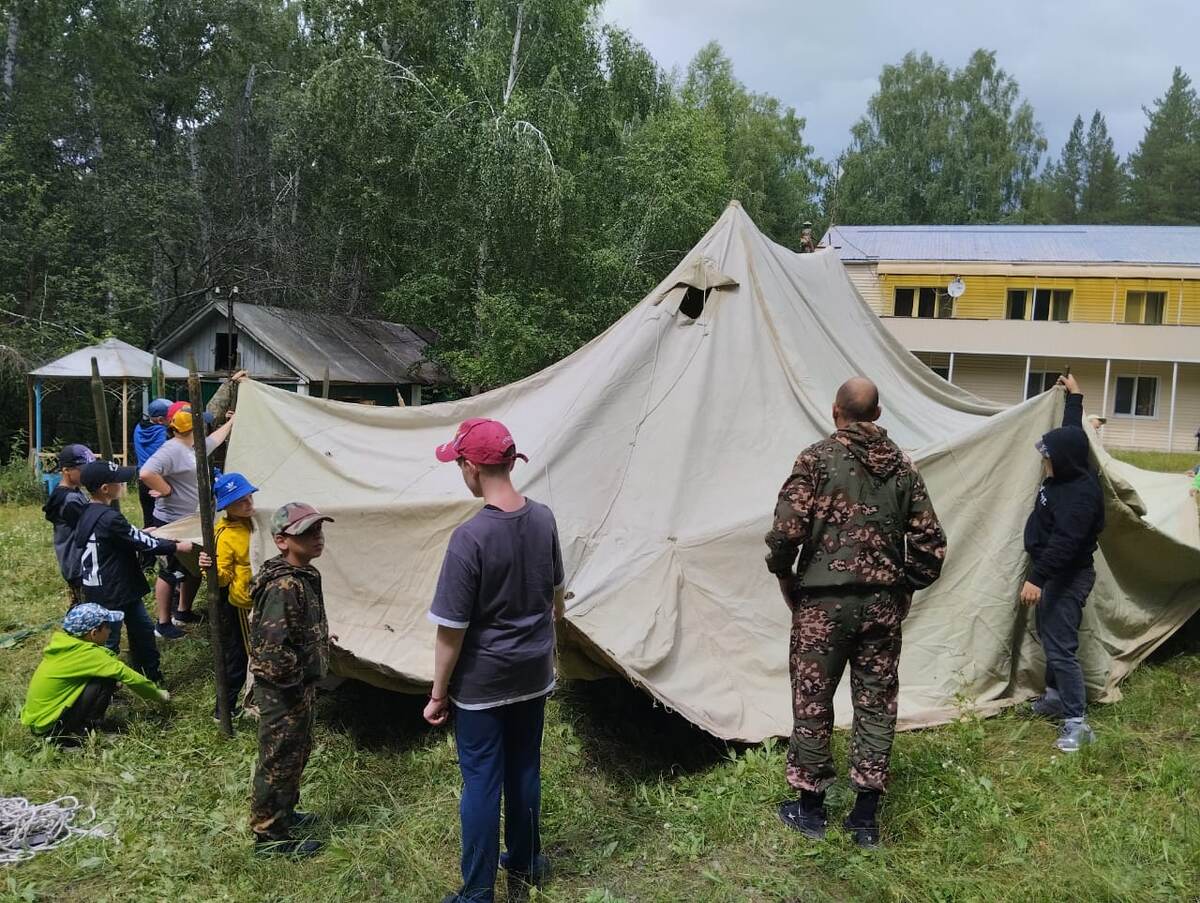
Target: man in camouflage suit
808, 244
289, 654
856, 512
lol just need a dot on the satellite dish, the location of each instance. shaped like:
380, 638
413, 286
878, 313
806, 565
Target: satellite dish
956, 288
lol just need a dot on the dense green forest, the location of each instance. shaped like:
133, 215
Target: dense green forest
512, 174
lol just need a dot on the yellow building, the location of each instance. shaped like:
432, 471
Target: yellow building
1002, 310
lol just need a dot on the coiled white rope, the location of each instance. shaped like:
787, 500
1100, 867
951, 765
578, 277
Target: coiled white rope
27, 829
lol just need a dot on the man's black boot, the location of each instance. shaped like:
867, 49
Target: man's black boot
862, 822
304, 820
806, 815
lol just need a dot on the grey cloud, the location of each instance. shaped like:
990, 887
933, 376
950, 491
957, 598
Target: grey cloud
824, 58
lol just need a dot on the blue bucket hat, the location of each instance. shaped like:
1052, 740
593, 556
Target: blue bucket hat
229, 488
89, 616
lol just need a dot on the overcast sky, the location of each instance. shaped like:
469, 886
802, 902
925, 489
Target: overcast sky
824, 59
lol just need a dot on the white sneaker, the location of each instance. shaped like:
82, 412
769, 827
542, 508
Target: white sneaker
1074, 735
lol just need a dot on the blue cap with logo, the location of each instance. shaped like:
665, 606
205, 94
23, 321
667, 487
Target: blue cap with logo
158, 407
87, 617
231, 487
75, 456
99, 472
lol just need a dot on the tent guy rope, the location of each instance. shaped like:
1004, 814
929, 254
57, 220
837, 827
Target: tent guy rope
27, 829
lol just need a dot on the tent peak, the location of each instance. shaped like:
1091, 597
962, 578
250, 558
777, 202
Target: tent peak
735, 203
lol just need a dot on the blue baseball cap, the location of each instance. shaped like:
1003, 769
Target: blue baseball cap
99, 472
229, 488
75, 456
158, 407
89, 616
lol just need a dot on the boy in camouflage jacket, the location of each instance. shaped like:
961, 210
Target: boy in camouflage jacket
857, 516
289, 654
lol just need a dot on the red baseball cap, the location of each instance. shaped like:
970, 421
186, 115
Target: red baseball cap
480, 441
176, 407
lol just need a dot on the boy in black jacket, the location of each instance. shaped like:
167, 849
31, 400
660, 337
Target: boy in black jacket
1060, 537
63, 508
107, 546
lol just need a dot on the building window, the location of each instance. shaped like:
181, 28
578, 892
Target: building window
925, 303
1145, 307
1051, 304
1016, 303
1039, 381
226, 356
1137, 396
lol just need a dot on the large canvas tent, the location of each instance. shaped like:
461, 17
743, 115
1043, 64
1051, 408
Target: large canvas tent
661, 446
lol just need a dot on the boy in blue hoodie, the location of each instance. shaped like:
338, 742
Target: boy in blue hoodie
1061, 536
148, 437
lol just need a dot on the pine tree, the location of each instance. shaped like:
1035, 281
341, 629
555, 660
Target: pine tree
1103, 178
1165, 168
1064, 181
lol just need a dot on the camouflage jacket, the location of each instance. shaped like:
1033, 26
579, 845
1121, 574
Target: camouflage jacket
289, 636
856, 512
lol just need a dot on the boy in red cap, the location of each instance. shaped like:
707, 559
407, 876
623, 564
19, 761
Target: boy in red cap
499, 594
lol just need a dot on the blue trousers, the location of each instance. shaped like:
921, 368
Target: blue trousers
142, 647
499, 750
1058, 617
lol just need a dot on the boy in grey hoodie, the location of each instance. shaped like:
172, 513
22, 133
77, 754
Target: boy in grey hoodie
63, 508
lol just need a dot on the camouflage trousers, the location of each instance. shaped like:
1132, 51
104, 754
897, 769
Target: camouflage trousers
285, 728
829, 629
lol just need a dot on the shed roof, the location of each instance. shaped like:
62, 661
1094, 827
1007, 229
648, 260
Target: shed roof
116, 360
1165, 245
355, 350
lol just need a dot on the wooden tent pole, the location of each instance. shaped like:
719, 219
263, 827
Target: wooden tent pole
216, 617
325, 385
102, 432
103, 435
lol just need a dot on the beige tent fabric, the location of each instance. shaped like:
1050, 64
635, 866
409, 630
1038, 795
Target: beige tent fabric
661, 446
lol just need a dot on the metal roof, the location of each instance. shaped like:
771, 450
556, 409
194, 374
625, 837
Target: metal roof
354, 349
1166, 245
116, 360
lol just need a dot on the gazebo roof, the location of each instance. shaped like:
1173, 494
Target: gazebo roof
116, 359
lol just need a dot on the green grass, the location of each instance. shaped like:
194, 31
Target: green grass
638, 806
1169, 462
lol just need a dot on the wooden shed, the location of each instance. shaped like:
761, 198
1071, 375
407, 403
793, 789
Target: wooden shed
368, 361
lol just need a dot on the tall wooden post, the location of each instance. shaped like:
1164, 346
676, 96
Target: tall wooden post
103, 435
325, 385
216, 626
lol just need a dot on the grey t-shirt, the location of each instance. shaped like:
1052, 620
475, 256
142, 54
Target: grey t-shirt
175, 462
498, 581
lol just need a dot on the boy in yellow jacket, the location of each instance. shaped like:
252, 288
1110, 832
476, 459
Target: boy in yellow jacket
234, 495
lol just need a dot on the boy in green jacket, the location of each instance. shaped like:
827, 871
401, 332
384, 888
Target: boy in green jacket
75, 681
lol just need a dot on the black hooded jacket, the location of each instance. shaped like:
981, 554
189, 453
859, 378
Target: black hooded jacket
107, 547
62, 510
1062, 530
